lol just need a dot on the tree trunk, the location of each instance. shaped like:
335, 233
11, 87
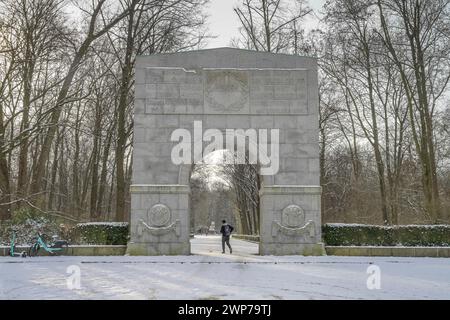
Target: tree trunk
104, 174
127, 70
93, 211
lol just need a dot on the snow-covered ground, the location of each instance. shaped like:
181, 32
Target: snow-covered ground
208, 274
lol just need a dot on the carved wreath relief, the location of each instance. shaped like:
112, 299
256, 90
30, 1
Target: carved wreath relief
293, 223
159, 215
158, 222
226, 90
293, 216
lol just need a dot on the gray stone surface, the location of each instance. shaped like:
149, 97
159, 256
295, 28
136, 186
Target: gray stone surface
225, 88
77, 250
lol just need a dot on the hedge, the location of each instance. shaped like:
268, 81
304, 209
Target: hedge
336, 234
101, 233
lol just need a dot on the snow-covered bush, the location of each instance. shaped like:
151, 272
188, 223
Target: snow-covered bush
337, 234
101, 233
26, 228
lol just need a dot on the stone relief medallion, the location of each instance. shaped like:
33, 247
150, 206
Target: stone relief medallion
293, 216
226, 90
159, 215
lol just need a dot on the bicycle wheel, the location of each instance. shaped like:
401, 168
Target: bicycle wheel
33, 250
63, 251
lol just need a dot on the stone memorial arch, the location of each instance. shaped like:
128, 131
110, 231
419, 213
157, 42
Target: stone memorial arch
222, 89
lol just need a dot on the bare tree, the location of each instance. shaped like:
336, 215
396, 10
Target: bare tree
270, 25
150, 27
389, 62
416, 37
66, 85
95, 30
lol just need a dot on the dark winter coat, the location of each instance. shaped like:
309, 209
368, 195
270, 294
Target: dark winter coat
223, 230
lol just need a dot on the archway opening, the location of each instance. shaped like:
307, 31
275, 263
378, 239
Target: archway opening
223, 188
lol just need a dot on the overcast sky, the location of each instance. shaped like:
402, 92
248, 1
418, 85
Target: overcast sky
224, 23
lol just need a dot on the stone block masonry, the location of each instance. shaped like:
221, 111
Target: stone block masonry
226, 88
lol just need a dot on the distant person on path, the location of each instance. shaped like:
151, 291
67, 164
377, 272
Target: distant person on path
226, 231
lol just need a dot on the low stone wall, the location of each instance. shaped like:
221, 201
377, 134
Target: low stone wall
375, 251
78, 250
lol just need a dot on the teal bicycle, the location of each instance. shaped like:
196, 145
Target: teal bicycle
12, 249
56, 248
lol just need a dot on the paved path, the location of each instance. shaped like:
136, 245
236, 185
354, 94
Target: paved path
212, 246
209, 274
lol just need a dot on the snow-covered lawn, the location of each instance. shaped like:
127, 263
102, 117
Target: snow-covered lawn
210, 275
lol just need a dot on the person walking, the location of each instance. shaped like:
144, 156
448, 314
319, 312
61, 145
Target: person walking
226, 231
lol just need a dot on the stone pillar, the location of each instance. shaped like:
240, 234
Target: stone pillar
290, 221
160, 221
